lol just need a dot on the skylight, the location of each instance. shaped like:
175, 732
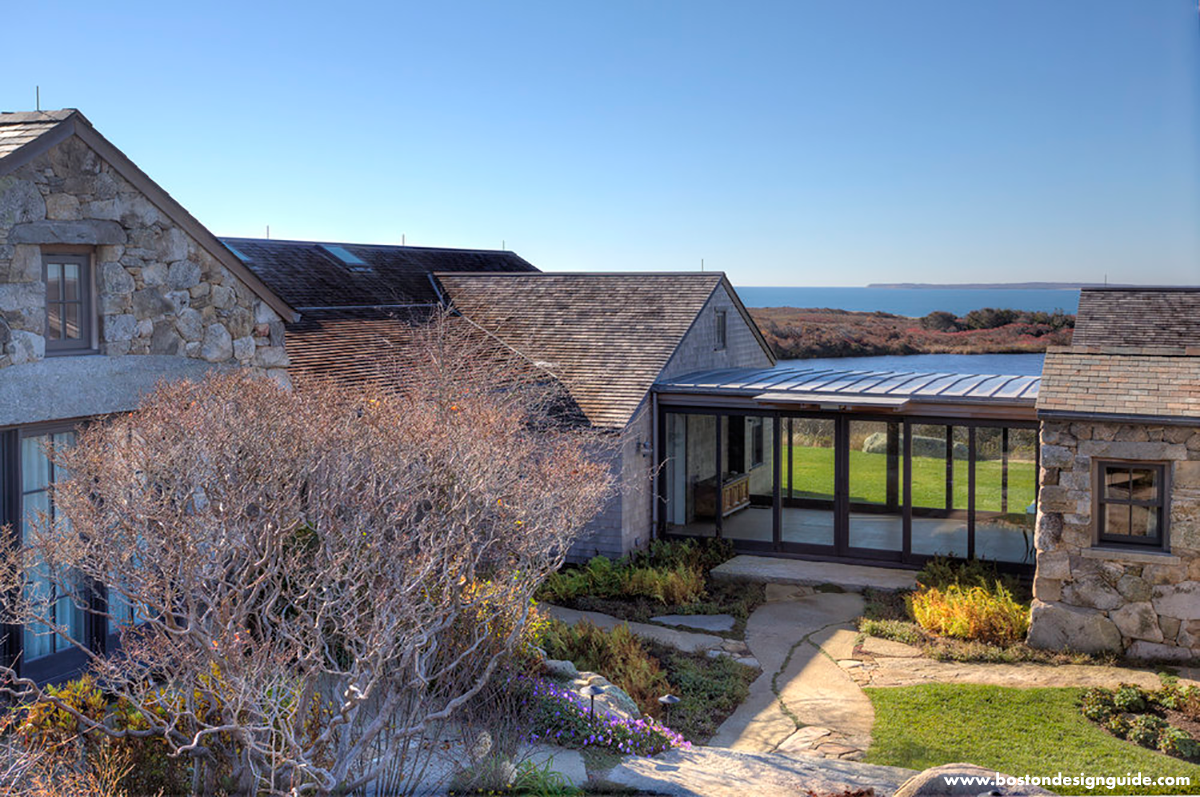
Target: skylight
347, 257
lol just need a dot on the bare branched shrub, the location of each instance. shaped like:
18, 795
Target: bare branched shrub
316, 577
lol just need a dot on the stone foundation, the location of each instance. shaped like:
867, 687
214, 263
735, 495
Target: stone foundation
1092, 597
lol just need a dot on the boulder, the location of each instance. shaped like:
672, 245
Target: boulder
614, 702
935, 782
1057, 626
560, 668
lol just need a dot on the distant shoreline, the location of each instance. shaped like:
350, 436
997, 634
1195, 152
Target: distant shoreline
994, 286
797, 333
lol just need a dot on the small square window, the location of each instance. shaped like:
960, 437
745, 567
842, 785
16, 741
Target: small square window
720, 320
1131, 504
69, 318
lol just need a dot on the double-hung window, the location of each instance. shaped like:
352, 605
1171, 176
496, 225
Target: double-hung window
69, 303
1131, 504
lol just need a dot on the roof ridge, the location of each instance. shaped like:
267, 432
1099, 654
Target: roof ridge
354, 243
582, 273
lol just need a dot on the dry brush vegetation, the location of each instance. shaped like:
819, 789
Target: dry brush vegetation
318, 578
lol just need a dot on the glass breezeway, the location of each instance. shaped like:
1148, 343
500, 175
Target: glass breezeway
851, 486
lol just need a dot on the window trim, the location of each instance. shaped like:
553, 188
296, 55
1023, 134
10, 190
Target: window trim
721, 317
87, 304
1162, 503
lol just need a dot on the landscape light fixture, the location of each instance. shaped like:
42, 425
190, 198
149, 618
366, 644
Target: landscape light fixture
668, 701
591, 691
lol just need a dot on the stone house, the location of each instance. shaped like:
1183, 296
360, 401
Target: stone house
107, 285
1118, 525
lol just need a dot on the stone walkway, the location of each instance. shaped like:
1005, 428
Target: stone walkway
804, 703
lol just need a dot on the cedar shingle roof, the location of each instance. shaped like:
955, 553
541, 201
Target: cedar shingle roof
19, 129
307, 274
1140, 318
352, 346
1136, 352
607, 337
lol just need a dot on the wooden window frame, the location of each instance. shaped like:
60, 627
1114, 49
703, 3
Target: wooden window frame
1162, 503
722, 324
86, 344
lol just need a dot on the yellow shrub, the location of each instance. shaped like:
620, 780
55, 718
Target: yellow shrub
971, 613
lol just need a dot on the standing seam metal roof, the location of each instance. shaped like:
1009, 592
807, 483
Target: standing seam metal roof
914, 385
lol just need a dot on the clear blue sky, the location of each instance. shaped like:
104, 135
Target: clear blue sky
801, 142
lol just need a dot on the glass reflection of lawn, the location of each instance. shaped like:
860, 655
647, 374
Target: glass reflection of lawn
813, 478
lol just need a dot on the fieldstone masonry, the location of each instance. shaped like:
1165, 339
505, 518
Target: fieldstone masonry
157, 290
1090, 598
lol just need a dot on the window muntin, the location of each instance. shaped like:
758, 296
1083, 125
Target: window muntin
68, 303
1131, 503
721, 319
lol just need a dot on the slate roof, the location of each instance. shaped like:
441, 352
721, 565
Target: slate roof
19, 129
1090, 382
1135, 354
306, 274
1138, 318
607, 337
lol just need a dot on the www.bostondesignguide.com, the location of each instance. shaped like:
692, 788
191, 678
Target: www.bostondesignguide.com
1119, 784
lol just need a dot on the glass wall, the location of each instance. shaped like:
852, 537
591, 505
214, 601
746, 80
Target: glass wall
1005, 493
874, 490
748, 478
808, 473
851, 485
939, 490
691, 474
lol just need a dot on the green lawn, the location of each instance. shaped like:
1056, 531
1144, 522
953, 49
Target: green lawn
813, 478
1020, 732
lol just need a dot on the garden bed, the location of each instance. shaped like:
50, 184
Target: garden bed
968, 612
671, 578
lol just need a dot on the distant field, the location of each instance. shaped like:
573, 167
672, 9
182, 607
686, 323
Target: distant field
795, 333
812, 470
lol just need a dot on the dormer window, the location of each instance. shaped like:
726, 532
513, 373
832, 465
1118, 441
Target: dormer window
70, 319
721, 330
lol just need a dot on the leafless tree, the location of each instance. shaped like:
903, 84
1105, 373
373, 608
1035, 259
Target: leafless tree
308, 581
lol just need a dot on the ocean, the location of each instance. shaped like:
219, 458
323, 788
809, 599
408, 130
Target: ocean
914, 302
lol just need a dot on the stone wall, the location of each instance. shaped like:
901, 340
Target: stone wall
157, 291
1094, 597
